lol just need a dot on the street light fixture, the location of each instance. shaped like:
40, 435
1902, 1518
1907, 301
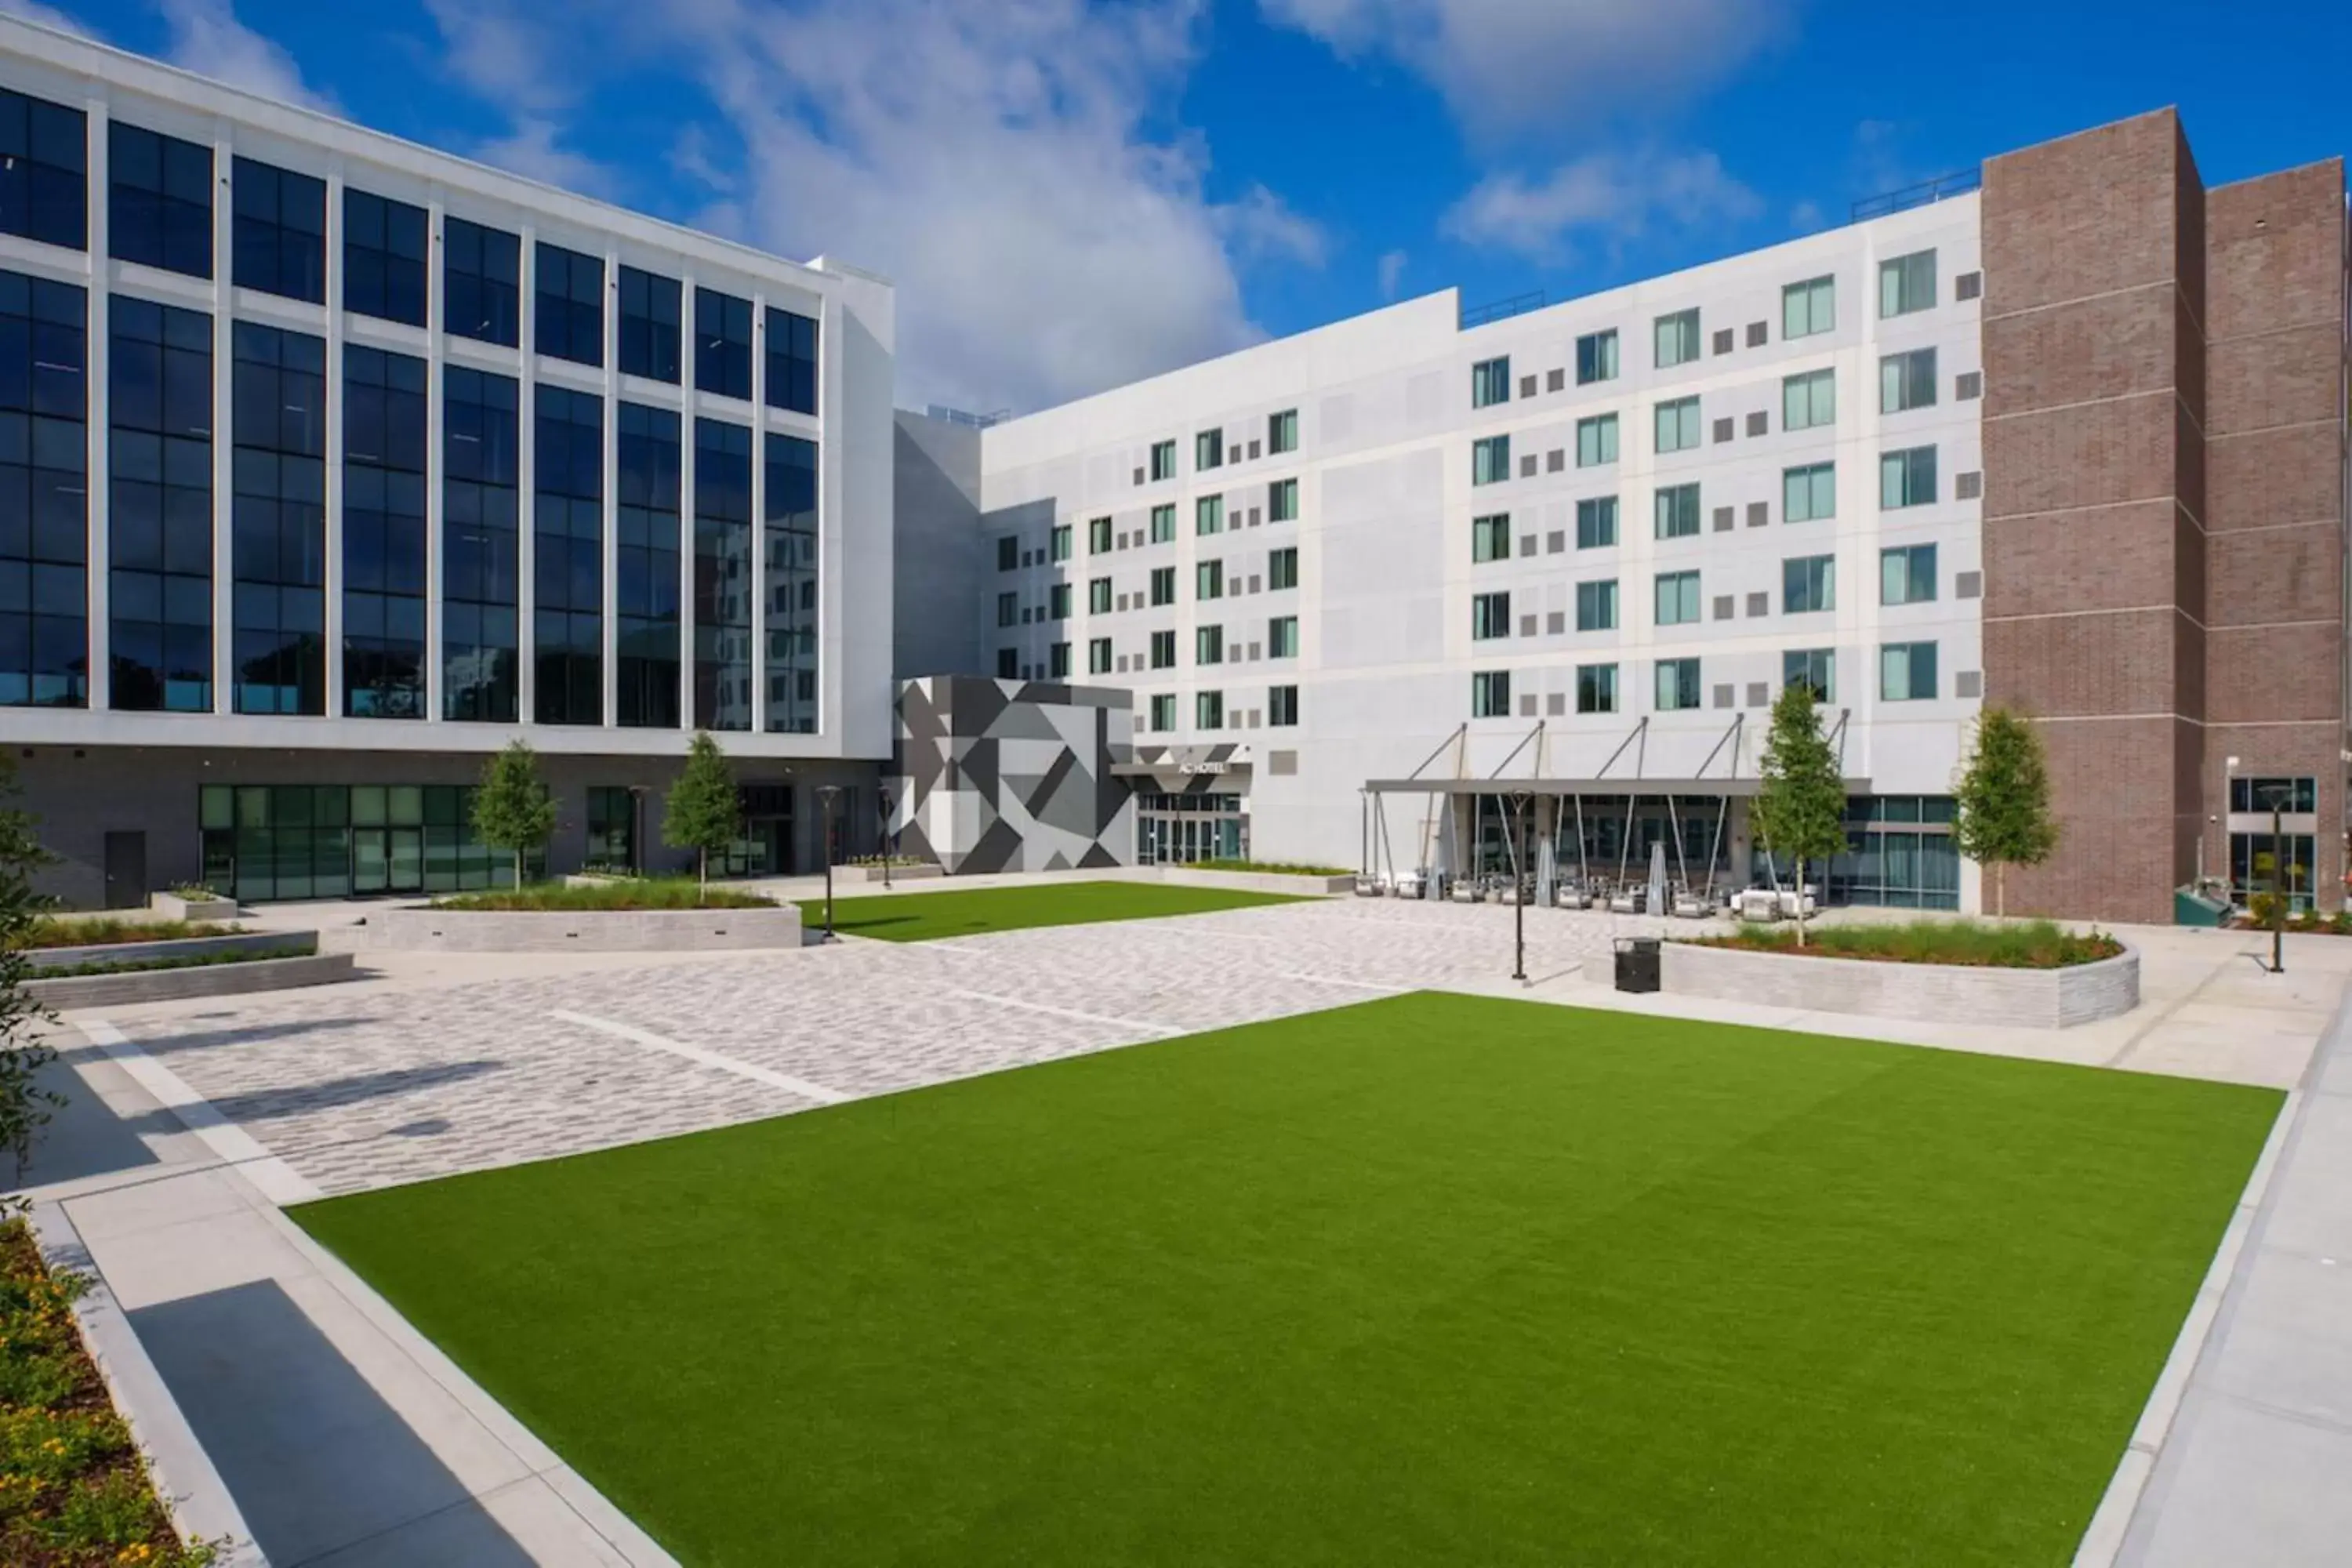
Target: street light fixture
825, 795
1520, 800
882, 803
2281, 883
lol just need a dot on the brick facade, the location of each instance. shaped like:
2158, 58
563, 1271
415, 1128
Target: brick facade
2164, 508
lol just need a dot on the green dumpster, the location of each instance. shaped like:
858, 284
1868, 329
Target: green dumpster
2191, 907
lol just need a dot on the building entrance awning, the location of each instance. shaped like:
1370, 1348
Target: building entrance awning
1185, 763
1726, 788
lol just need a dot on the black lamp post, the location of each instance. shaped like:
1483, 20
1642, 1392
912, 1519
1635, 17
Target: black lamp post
825, 795
2280, 881
882, 804
1521, 888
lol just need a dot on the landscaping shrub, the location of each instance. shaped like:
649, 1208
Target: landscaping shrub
174, 960
645, 893
2032, 944
107, 931
1271, 868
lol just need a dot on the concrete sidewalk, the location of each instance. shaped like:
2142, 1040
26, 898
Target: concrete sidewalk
346, 1439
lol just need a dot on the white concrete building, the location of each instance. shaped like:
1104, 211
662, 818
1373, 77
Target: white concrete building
1385, 550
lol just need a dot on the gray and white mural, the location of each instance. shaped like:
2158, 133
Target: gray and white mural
1013, 776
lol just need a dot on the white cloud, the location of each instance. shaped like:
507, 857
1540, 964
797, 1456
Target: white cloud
1391, 269
47, 16
1508, 67
1612, 196
207, 39
531, 150
1806, 218
1261, 226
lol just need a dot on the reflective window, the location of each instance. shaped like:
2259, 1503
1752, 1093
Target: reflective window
1809, 308
649, 325
789, 532
1282, 501
1815, 668
569, 317
1677, 512
160, 534
1807, 584
277, 559
646, 582
1677, 598
1490, 460
383, 534
1808, 400
1808, 494
159, 200
1906, 574
723, 344
1907, 283
1596, 440
1282, 706
1677, 685
1596, 522
277, 231
567, 544
1490, 383
481, 282
1490, 694
792, 362
44, 171
1907, 381
1490, 538
383, 257
480, 577
1907, 672
723, 585
1596, 689
1906, 477
43, 493
1677, 339
1596, 357
1596, 605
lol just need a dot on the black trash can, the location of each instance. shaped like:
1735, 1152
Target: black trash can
1637, 964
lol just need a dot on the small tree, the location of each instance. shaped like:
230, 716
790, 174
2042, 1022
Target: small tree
24, 1101
2001, 805
512, 809
1800, 811
703, 813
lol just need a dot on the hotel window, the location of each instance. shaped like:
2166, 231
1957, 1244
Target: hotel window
1057, 543
1815, 668
1163, 459
1208, 515
159, 200
567, 546
44, 171
649, 450
1282, 569
1596, 605
1906, 574
2296, 797
1163, 585
1163, 713
1677, 512
1098, 597
1058, 602
650, 307
1677, 599
1008, 609
1490, 694
1008, 664
1282, 637
1008, 552
1282, 432
1596, 689
1098, 536
788, 527
1098, 656
1490, 460
792, 362
1677, 424
1282, 501
1596, 522
1808, 585
1163, 650
1677, 339
1809, 308
1907, 283
383, 257
279, 515
1596, 440
1596, 357
479, 540
1907, 381
481, 282
569, 320
1490, 616
1677, 685
1906, 477
1209, 710
1490, 538
1282, 707
1058, 662
1490, 383
1906, 672
1808, 400
1209, 580
1808, 494
1209, 645
1163, 524
44, 489
1208, 450
725, 590
383, 534
277, 231
722, 344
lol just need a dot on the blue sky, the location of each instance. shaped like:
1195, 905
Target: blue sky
1070, 196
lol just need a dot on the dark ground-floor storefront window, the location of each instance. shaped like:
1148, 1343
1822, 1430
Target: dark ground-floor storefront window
267, 842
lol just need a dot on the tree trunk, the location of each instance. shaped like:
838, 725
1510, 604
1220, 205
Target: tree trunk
517, 854
2001, 890
1801, 901
702, 870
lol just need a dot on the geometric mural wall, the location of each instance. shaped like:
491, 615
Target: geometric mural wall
1011, 776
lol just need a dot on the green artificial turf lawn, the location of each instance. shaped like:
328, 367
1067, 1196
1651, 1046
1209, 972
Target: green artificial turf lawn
921, 917
1435, 1279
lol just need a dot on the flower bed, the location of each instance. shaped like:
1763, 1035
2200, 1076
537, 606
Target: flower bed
2307, 924
1269, 868
2032, 944
613, 895
106, 930
73, 1492
204, 959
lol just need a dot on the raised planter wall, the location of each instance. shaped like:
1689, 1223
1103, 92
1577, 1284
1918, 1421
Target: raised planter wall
898, 873
286, 942
584, 931
1258, 881
69, 991
171, 907
2014, 998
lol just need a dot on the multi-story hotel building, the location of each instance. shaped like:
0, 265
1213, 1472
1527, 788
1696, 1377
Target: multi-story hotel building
328, 464
2072, 441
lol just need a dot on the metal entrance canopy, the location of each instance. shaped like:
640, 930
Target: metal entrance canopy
1615, 784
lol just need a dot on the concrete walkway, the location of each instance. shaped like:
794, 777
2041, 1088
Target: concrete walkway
346, 1439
